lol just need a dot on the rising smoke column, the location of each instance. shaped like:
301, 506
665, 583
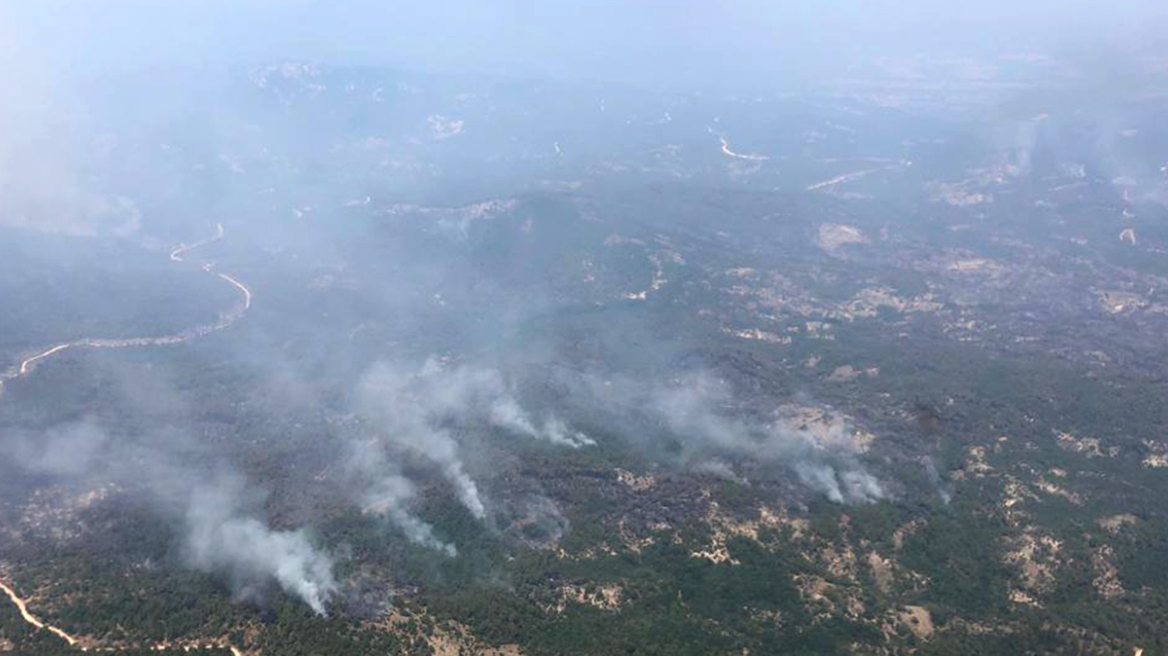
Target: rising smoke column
472, 392
388, 497
695, 408
381, 490
220, 537
219, 534
404, 404
700, 412
414, 408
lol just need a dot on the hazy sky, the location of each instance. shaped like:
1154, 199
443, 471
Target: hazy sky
655, 42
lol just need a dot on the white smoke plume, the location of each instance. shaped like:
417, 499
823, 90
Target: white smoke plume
506, 412
469, 393
221, 538
405, 405
848, 485
219, 535
697, 408
388, 498
935, 479
709, 423
384, 492
416, 408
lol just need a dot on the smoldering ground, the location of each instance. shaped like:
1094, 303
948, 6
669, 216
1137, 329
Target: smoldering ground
388, 429
415, 420
694, 421
210, 506
417, 408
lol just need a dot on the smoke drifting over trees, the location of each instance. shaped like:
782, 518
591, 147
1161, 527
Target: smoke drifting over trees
220, 537
700, 412
492, 291
213, 507
417, 410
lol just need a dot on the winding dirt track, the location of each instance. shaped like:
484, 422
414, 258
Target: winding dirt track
27, 366
32, 619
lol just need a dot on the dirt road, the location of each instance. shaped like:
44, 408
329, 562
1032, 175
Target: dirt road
29, 364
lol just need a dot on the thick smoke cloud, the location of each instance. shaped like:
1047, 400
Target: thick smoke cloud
219, 533
417, 410
695, 408
382, 490
414, 411
222, 537
54, 178
701, 413
388, 497
410, 409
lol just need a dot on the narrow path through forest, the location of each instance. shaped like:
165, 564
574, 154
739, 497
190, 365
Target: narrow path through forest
29, 364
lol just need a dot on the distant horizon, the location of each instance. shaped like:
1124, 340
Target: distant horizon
750, 45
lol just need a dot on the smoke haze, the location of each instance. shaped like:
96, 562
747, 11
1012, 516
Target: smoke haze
391, 279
